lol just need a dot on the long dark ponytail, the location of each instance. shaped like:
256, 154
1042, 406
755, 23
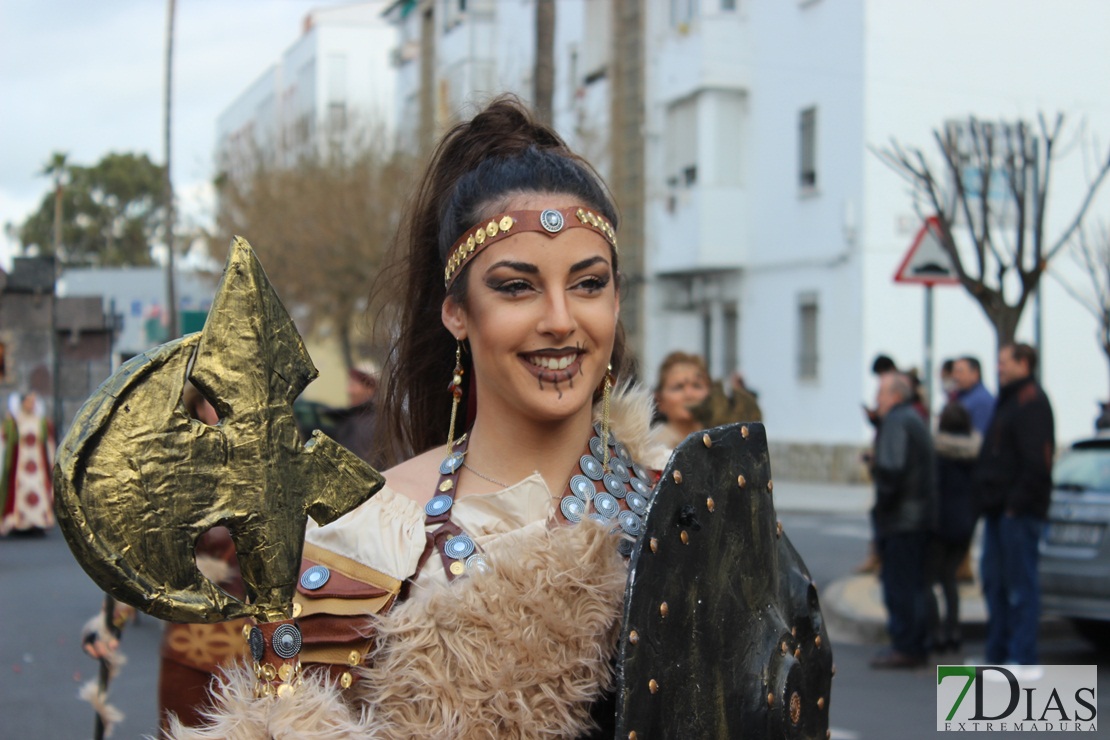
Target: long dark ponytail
501, 152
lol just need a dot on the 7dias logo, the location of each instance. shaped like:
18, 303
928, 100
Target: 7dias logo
995, 698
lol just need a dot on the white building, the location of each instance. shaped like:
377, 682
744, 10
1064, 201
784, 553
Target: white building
333, 82
772, 229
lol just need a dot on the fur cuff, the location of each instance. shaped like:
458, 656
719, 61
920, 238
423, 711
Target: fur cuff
520, 652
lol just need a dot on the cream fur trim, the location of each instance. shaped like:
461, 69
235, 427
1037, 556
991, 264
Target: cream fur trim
520, 652
630, 410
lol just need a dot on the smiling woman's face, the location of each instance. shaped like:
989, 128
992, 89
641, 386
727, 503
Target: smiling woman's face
541, 318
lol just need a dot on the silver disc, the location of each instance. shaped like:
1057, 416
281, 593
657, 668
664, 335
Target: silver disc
591, 467
286, 641
596, 449
617, 466
624, 547
640, 471
459, 547
477, 563
572, 508
552, 221
623, 454
315, 577
640, 487
438, 505
606, 505
582, 487
630, 523
637, 503
451, 463
614, 485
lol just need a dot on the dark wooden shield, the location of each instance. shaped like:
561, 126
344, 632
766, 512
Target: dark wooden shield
723, 635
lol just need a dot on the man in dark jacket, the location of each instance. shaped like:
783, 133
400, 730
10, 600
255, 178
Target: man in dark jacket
903, 516
1014, 482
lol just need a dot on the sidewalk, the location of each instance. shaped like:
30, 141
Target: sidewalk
853, 604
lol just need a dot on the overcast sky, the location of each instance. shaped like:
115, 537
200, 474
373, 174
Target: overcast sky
86, 78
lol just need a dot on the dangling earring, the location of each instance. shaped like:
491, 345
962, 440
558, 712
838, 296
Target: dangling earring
456, 394
607, 387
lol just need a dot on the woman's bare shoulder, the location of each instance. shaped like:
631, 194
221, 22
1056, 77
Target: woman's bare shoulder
416, 477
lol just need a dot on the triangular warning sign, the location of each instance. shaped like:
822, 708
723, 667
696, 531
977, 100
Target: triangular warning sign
926, 262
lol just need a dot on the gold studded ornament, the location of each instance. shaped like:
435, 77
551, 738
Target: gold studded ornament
550, 222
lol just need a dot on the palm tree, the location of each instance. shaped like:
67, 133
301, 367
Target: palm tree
57, 168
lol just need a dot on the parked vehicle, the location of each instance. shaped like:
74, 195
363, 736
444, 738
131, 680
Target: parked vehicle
1075, 548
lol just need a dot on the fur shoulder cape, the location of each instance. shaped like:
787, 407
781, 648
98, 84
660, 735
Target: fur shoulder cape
519, 652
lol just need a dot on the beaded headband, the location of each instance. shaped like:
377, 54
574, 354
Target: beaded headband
551, 221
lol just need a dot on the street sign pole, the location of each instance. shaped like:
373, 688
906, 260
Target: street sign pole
928, 264
928, 379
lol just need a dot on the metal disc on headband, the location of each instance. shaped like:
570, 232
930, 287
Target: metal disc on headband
637, 503
582, 487
640, 471
451, 463
597, 428
606, 505
591, 466
640, 487
623, 454
614, 485
617, 466
572, 508
552, 220
315, 577
630, 523
438, 505
624, 546
596, 448
459, 547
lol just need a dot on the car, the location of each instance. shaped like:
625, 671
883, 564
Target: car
1075, 548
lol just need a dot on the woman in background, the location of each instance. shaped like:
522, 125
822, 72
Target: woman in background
957, 447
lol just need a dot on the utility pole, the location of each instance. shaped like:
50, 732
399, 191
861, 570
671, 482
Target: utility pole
543, 78
171, 297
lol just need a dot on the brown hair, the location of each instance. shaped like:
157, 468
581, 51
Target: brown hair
1023, 353
476, 167
679, 358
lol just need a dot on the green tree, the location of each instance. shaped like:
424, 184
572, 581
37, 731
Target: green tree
109, 214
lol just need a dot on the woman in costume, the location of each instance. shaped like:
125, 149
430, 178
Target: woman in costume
455, 602
688, 401
26, 489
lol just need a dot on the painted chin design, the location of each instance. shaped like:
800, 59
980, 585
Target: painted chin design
553, 369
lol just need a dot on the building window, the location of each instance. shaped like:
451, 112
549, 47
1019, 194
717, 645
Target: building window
683, 12
682, 143
807, 149
807, 336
